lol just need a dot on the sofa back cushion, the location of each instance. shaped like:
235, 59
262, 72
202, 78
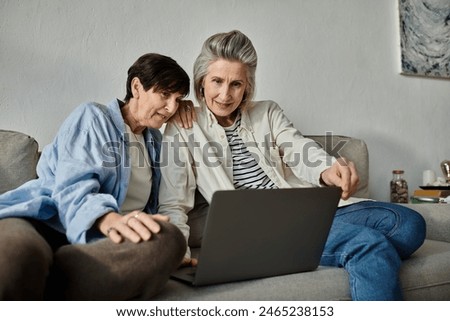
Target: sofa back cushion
18, 159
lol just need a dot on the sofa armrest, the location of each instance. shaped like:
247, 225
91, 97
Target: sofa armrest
18, 159
437, 217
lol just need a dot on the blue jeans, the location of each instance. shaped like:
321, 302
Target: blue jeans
369, 239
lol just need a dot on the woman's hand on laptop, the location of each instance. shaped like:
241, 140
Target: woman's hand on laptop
187, 261
343, 174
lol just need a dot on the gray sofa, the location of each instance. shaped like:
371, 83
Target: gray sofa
424, 276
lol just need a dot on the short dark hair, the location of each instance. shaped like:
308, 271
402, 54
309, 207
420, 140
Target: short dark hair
158, 71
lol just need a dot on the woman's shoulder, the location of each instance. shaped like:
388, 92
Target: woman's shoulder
263, 105
203, 117
258, 108
88, 117
86, 110
91, 109
87, 113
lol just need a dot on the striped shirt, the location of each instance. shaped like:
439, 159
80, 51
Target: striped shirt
247, 174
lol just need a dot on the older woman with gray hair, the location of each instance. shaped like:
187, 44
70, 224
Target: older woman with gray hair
256, 146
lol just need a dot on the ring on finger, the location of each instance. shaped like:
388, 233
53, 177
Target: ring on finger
109, 230
135, 216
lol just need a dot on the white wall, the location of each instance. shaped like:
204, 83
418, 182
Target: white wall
332, 65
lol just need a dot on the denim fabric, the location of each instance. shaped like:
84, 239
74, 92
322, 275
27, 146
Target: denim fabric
370, 239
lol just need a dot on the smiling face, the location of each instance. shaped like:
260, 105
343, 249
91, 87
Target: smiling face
149, 109
224, 88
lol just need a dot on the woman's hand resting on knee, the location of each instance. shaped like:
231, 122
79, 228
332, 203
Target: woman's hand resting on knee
136, 226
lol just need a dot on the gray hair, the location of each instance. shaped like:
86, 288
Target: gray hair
232, 46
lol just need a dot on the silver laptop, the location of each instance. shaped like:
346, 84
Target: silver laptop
253, 234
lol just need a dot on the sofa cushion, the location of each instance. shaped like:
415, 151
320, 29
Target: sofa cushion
323, 284
18, 159
424, 276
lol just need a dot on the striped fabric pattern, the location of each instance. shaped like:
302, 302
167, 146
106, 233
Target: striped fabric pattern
247, 174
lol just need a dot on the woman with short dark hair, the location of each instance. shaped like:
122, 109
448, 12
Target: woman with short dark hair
87, 228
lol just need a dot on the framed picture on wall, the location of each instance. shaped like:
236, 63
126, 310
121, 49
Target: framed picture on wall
425, 37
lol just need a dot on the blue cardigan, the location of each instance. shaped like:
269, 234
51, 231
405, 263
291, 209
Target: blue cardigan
83, 174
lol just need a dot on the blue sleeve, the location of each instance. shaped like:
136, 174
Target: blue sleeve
84, 189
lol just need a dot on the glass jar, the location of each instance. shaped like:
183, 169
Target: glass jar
399, 187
